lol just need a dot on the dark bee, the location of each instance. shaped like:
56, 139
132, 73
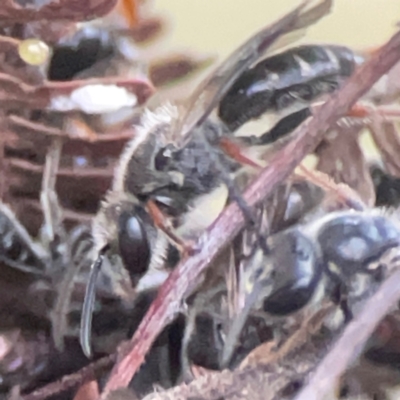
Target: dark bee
173, 163
334, 251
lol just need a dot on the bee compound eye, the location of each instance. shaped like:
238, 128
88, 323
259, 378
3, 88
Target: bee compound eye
297, 273
134, 247
163, 159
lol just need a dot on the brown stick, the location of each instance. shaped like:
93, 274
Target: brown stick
172, 293
70, 381
12, 11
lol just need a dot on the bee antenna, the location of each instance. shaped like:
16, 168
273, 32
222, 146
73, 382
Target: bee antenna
88, 303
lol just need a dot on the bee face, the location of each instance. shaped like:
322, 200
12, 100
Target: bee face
137, 171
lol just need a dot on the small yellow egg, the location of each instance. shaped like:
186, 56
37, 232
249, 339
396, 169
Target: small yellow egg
33, 51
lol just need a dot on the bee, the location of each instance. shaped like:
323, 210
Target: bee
176, 161
341, 255
214, 303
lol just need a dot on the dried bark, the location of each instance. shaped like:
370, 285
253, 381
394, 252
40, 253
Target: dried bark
23, 11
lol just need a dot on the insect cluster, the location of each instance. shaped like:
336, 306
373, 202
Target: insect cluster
302, 249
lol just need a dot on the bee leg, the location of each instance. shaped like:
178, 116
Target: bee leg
338, 296
282, 128
363, 110
234, 151
162, 222
234, 193
290, 122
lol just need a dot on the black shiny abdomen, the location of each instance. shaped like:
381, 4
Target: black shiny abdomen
296, 272
298, 74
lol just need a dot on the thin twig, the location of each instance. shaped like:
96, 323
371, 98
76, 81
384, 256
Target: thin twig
12, 12
351, 343
213, 241
70, 381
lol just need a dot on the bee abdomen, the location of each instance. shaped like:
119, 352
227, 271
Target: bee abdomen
304, 64
300, 74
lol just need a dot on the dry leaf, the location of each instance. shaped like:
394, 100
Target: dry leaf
341, 157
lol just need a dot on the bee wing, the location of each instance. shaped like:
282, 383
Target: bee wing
211, 91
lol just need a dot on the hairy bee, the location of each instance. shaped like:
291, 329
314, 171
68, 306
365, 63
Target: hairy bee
176, 162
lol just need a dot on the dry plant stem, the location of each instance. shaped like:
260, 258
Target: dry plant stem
171, 294
42, 129
70, 381
12, 11
350, 344
15, 91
